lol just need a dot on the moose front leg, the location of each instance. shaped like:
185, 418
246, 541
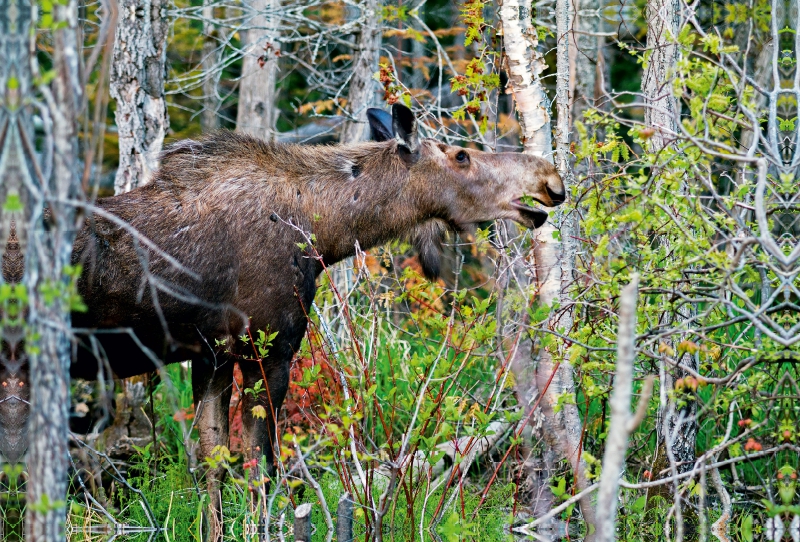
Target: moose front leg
259, 433
212, 382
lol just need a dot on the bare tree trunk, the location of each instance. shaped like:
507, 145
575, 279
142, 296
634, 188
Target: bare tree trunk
663, 20
49, 251
553, 261
209, 120
661, 113
585, 56
257, 111
677, 427
555, 250
365, 64
562, 430
525, 63
137, 85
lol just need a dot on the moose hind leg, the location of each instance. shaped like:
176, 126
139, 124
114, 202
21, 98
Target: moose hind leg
212, 381
259, 433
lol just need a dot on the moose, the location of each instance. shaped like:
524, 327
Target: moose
239, 229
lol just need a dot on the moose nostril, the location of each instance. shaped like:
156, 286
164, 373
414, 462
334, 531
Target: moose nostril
556, 197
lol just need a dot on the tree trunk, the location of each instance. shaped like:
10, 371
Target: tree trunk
554, 260
524, 64
365, 64
663, 20
209, 120
50, 250
585, 57
661, 113
137, 85
257, 111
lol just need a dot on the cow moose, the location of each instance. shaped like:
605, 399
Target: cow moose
230, 215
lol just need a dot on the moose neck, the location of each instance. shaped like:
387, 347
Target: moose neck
344, 194
369, 202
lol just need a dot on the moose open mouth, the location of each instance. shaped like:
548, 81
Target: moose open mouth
530, 217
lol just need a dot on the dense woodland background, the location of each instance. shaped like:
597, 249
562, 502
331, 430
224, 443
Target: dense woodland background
628, 372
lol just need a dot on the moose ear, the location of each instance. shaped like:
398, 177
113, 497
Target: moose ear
404, 126
380, 124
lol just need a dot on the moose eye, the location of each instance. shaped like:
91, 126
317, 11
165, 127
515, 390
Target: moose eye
462, 157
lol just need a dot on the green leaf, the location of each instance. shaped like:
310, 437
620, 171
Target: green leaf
746, 528
13, 204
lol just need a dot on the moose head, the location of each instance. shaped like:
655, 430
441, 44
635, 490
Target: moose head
463, 186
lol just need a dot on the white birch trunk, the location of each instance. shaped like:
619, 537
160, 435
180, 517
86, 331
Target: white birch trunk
525, 64
554, 260
137, 85
663, 20
257, 112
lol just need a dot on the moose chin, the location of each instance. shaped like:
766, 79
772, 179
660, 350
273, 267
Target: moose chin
219, 242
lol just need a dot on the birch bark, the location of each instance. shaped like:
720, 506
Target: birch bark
525, 64
562, 429
257, 113
663, 25
365, 63
49, 251
137, 85
662, 113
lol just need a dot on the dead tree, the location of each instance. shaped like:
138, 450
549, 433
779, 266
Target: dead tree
47, 257
257, 111
137, 85
365, 64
